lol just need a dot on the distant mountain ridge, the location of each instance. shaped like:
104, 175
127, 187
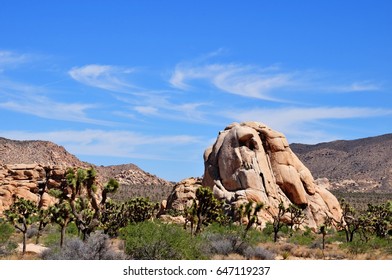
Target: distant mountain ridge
362, 164
36, 151
49, 153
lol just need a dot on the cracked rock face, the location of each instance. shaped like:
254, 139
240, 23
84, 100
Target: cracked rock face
252, 162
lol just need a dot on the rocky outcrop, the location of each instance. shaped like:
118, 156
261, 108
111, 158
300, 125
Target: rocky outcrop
133, 180
131, 175
252, 162
182, 194
28, 181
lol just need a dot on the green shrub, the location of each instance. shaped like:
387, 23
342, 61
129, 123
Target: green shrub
253, 237
302, 238
157, 241
356, 247
7, 246
6, 230
72, 229
224, 240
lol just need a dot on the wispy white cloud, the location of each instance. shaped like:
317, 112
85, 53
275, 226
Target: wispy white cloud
244, 80
265, 83
356, 87
31, 100
49, 109
115, 143
9, 58
165, 105
106, 77
146, 110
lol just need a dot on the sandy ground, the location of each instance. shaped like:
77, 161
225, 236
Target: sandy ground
32, 248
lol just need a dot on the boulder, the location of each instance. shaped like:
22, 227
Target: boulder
250, 161
23, 180
182, 195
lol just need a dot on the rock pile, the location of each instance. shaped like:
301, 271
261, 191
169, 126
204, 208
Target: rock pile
252, 162
26, 181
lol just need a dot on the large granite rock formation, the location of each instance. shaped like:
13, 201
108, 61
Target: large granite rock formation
25, 180
252, 162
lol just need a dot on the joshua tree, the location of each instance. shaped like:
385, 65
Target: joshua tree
22, 214
297, 216
205, 208
379, 218
111, 187
277, 217
250, 211
350, 222
118, 215
82, 200
44, 220
61, 214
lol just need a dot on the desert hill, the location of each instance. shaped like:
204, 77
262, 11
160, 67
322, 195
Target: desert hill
133, 180
39, 152
354, 165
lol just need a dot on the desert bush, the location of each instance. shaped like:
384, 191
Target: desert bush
118, 215
224, 244
151, 240
96, 247
7, 247
32, 231
306, 237
231, 240
6, 230
258, 253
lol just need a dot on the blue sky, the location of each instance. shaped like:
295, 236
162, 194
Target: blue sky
153, 82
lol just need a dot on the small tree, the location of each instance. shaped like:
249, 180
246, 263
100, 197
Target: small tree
111, 187
250, 210
207, 208
379, 218
118, 215
61, 214
82, 200
44, 220
324, 228
277, 217
351, 221
22, 214
297, 216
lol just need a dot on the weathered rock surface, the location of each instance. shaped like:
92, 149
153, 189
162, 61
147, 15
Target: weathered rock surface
25, 180
19, 161
252, 162
182, 195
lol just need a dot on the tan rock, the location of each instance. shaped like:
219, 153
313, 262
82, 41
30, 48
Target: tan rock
20, 166
25, 193
31, 174
250, 161
47, 200
183, 194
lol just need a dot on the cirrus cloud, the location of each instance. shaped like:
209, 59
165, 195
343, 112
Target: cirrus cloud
106, 77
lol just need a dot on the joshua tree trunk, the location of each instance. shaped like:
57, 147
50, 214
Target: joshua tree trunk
24, 243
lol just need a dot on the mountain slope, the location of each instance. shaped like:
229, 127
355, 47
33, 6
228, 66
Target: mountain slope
363, 164
40, 152
133, 180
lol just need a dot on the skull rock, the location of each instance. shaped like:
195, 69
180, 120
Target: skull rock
250, 161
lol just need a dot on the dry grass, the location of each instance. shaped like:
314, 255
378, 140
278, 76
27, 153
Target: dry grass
289, 251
